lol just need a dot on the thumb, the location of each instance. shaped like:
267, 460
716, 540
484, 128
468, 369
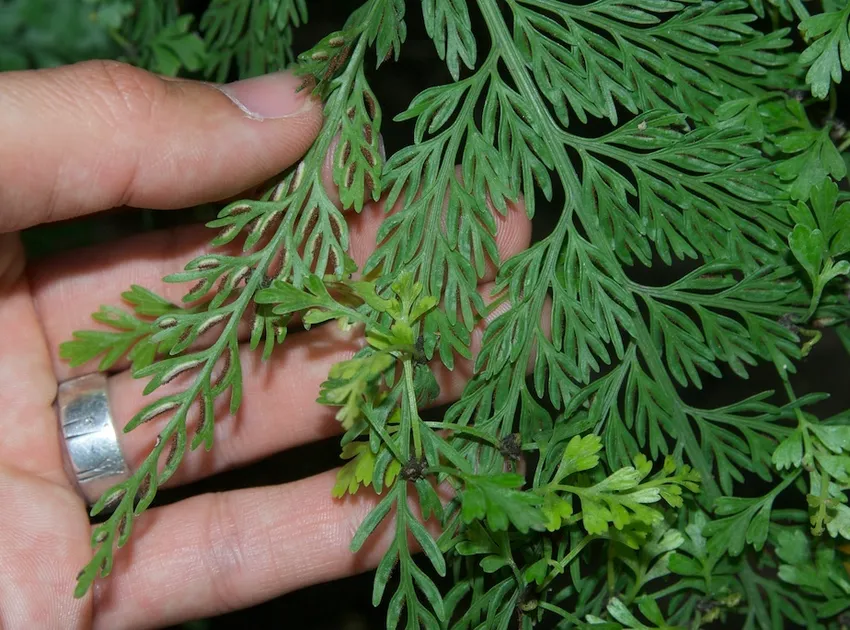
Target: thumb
101, 134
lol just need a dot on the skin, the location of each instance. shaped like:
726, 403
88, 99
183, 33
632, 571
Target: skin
86, 138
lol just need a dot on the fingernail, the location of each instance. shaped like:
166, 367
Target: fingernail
269, 96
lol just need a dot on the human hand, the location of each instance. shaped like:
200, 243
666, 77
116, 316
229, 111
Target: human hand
98, 135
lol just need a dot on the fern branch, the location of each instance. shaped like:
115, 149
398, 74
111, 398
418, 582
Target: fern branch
685, 432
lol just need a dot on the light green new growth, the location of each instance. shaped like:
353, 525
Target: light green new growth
640, 508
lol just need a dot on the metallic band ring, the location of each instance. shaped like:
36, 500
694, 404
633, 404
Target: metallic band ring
93, 457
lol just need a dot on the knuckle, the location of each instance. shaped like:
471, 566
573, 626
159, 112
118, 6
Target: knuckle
119, 89
225, 559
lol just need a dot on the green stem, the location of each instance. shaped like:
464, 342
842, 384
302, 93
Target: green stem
611, 574
717, 300
801, 418
471, 431
833, 102
412, 408
670, 590
817, 291
505, 547
787, 481
567, 560
450, 453
585, 491
404, 558
817, 530
386, 439
638, 584
560, 611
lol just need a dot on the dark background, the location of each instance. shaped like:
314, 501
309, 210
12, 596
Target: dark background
346, 604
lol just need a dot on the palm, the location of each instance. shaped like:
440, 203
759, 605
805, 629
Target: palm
44, 529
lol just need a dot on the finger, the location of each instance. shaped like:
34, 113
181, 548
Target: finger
219, 552
28, 423
69, 287
44, 534
279, 409
101, 134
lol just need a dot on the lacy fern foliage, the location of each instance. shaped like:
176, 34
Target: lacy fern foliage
686, 141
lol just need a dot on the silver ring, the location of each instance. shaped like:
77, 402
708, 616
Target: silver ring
93, 457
